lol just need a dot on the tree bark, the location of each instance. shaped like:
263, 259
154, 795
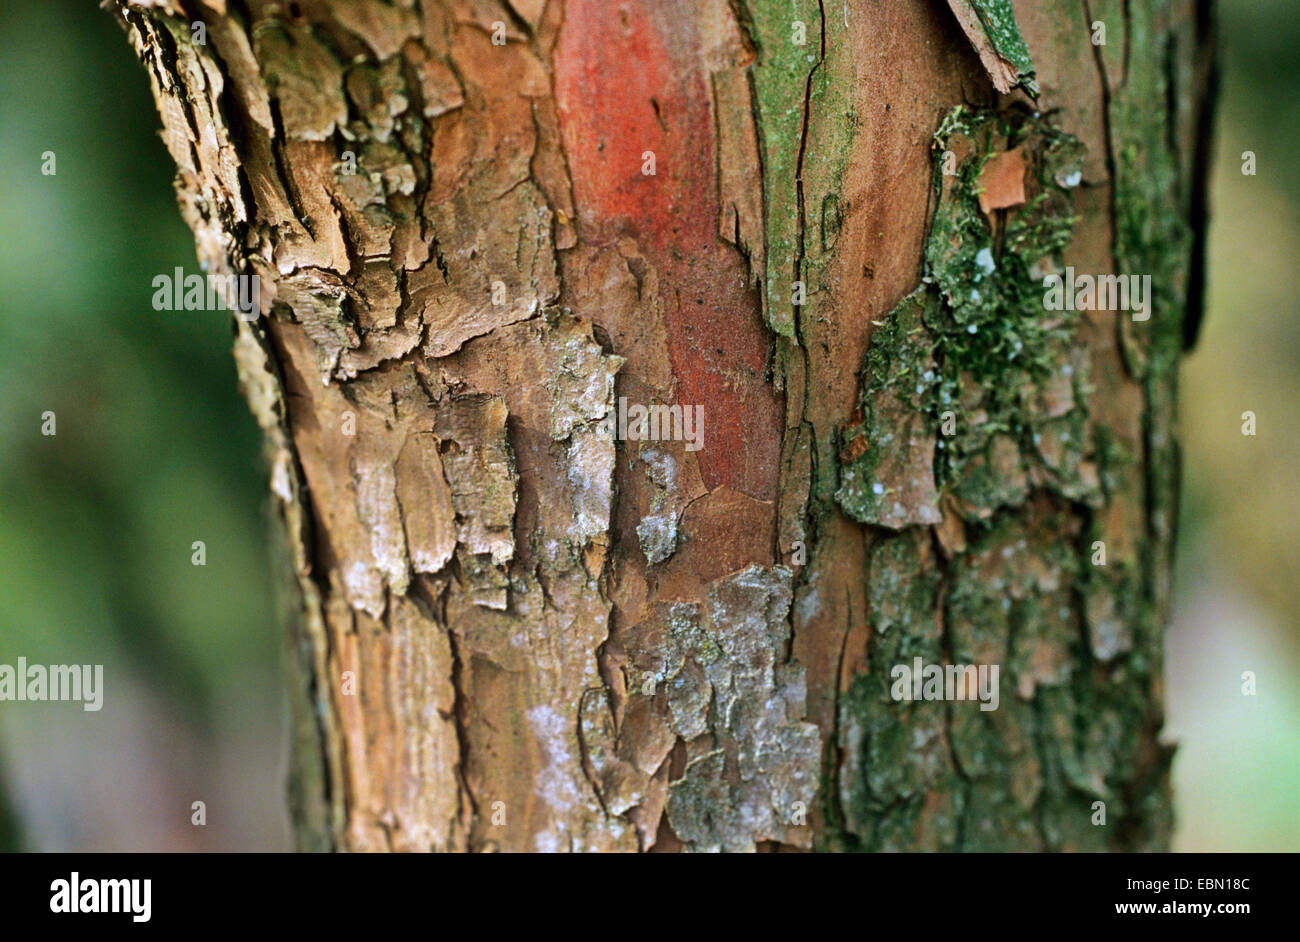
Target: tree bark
486, 231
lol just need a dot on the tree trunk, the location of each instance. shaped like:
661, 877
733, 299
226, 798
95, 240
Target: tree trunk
490, 233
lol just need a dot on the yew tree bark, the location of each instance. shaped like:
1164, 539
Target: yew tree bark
479, 225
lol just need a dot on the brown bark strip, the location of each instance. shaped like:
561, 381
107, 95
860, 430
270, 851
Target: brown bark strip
458, 528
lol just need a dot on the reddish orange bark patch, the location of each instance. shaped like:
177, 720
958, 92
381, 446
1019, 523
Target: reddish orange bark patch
1002, 181
629, 80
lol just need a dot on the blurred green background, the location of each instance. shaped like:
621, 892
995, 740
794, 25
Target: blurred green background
155, 450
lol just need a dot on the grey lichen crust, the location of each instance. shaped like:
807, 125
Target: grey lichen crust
715, 681
764, 768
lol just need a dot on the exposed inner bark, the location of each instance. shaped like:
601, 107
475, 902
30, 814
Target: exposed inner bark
488, 231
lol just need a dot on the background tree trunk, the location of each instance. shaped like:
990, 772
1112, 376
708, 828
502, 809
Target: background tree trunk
480, 225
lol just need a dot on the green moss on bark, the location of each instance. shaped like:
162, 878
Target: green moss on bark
994, 373
1024, 475
781, 78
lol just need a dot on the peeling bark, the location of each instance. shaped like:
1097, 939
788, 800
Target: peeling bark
483, 228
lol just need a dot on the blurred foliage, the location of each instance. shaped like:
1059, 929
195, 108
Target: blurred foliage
1237, 771
1237, 490
155, 449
